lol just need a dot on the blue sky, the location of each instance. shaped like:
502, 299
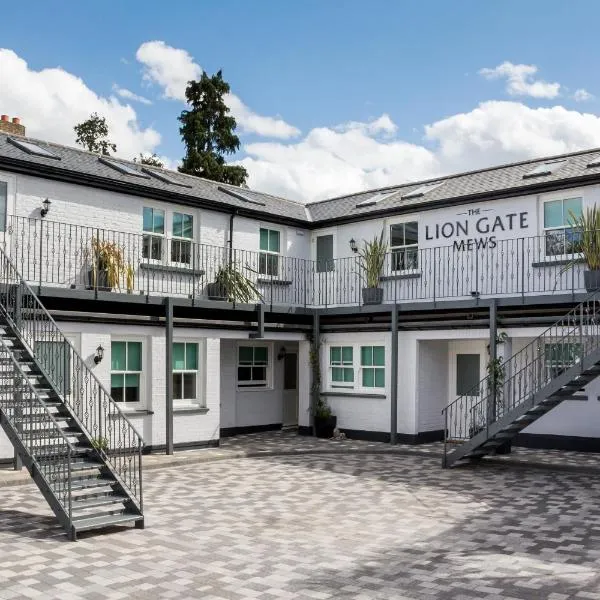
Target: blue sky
321, 65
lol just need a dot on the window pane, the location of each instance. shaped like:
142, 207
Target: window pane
274, 241
117, 356
158, 225
264, 239
191, 356
116, 381
555, 242
397, 235
189, 386
244, 373
132, 394
368, 377
188, 227
335, 353
272, 264
177, 224
379, 356
349, 375
181, 251
347, 355
178, 357
467, 374
259, 373
147, 218
261, 355
324, 253
245, 355
553, 216
380, 378
177, 386
134, 356
117, 393
411, 233
366, 356
3, 204
337, 374
571, 207
132, 380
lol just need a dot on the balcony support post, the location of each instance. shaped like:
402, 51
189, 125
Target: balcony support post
394, 378
315, 359
260, 323
493, 367
169, 374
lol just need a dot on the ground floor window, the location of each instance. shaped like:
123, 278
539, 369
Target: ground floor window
126, 370
253, 364
356, 367
372, 363
560, 357
185, 371
341, 366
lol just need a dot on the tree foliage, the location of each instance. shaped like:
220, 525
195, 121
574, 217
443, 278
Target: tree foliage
152, 160
207, 130
92, 134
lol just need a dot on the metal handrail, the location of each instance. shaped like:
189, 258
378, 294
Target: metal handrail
91, 417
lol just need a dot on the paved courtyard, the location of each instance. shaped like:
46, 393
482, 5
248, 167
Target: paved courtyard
353, 525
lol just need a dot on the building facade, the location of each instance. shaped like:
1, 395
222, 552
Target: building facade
478, 266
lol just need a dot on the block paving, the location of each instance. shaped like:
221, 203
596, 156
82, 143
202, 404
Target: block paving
358, 525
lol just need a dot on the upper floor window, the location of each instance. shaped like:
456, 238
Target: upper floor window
325, 253
268, 262
154, 224
560, 236
404, 244
183, 233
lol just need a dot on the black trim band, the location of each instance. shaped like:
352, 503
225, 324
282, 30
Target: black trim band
231, 431
557, 442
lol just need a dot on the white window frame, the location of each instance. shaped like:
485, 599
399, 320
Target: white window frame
391, 249
268, 253
161, 236
361, 367
200, 400
131, 406
11, 187
356, 387
337, 385
269, 369
544, 229
180, 239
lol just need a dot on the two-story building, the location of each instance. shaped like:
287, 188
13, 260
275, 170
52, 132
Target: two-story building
478, 265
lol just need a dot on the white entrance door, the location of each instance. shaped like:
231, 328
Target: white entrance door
466, 369
290, 390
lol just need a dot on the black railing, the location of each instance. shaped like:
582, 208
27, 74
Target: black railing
59, 254
512, 382
109, 430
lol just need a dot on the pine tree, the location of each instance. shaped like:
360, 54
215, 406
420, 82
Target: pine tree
207, 130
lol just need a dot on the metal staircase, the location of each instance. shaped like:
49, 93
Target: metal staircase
80, 449
518, 391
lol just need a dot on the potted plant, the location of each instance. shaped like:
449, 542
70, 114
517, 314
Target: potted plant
587, 242
232, 285
325, 421
371, 259
107, 266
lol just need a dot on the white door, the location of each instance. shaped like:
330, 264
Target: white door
466, 369
290, 390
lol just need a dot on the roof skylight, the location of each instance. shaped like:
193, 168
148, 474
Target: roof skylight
547, 168
122, 167
32, 148
374, 199
164, 177
594, 163
422, 190
240, 196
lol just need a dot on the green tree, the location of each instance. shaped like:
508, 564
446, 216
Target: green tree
153, 160
207, 130
92, 135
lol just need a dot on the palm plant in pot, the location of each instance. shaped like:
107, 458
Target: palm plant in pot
586, 228
108, 266
371, 260
231, 285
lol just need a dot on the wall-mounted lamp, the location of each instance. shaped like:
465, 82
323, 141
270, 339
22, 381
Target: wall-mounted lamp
353, 246
475, 294
99, 354
282, 353
45, 207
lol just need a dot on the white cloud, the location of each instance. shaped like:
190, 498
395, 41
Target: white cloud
520, 80
129, 95
171, 69
582, 95
51, 101
332, 161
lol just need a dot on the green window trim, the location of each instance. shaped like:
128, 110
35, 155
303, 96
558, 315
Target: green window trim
126, 370
372, 366
270, 247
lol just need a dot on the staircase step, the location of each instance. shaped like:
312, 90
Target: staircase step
91, 483
86, 503
87, 523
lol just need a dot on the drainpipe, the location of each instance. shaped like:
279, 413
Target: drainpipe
231, 218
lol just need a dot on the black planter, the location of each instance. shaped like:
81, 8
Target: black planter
324, 426
101, 281
505, 448
215, 291
591, 280
372, 295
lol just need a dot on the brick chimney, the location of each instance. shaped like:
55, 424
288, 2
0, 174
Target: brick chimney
13, 127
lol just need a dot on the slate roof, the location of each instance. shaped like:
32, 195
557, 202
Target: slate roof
74, 160
576, 168
459, 187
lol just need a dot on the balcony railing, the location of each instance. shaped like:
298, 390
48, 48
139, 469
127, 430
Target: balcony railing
59, 254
